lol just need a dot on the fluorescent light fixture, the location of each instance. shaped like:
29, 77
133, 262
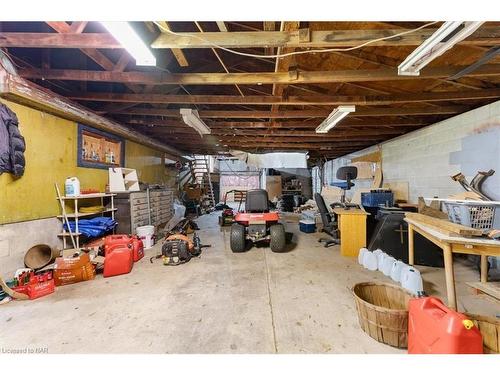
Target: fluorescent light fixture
192, 118
449, 34
128, 38
334, 118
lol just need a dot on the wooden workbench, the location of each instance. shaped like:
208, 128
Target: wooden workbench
449, 245
352, 225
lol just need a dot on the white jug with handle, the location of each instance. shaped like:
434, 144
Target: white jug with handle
411, 280
361, 254
380, 259
370, 261
396, 269
387, 265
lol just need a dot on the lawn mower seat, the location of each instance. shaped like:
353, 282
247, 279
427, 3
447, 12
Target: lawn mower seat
257, 201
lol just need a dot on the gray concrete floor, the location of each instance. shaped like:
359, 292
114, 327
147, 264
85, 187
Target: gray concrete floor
255, 302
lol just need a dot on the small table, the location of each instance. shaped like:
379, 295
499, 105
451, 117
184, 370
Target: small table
352, 225
449, 245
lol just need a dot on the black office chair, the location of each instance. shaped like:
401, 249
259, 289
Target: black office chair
330, 225
347, 174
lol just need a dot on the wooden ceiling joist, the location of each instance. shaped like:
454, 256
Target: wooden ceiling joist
293, 77
485, 36
329, 100
403, 111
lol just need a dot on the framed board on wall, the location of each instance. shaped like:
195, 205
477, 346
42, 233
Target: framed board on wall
98, 149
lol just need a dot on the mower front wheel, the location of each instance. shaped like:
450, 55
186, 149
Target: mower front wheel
278, 238
237, 238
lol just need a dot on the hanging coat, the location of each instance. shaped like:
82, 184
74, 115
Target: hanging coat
12, 145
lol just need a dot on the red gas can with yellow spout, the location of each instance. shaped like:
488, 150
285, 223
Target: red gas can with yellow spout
433, 328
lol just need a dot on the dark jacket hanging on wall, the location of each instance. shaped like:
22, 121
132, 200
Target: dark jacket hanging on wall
12, 145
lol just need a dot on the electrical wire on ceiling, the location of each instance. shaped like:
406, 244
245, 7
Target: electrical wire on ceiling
280, 55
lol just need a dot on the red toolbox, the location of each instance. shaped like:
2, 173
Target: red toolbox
133, 242
118, 260
35, 286
433, 328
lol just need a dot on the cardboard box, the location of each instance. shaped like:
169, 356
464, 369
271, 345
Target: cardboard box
73, 270
273, 187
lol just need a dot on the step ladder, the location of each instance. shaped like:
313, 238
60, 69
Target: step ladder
200, 172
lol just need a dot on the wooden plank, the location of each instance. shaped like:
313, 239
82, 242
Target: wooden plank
329, 100
445, 225
492, 289
177, 52
486, 35
362, 112
61, 40
295, 77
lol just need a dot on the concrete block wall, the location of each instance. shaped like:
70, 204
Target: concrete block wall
17, 238
426, 158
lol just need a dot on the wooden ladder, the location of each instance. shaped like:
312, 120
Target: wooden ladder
201, 173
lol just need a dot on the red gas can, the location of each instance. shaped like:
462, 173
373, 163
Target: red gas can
118, 259
435, 329
132, 242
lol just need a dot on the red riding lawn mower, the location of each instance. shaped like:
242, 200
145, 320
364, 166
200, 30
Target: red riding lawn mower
257, 224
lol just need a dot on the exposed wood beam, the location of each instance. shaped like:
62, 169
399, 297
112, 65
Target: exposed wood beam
218, 56
78, 27
404, 111
222, 26
290, 100
177, 52
294, 77
245, 125
487, 36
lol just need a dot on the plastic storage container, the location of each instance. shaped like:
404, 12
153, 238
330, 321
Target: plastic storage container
72, 187
478, 215
118, 260
376, 199
307, 226
132, 242
361, 254
435, 329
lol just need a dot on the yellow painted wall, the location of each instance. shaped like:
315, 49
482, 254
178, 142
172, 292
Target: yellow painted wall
51, 157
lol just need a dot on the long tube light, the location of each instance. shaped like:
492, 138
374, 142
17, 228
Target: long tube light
192, 118
128, 38
335, 117
449, 34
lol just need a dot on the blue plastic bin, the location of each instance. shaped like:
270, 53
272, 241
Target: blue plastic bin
375, 199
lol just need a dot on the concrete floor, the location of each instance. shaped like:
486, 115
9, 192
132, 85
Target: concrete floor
255, 302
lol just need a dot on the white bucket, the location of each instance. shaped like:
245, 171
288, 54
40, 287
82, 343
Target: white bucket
370, 261
411, 280
146, 234
361, 254
387, 265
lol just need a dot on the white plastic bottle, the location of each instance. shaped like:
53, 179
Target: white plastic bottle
72, 187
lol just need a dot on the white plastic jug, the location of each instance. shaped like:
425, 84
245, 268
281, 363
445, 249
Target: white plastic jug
411, 280
370, 261
380, 259
387, 265
72, 187
361, 254
396, 269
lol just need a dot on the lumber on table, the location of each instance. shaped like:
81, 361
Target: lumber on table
444, 225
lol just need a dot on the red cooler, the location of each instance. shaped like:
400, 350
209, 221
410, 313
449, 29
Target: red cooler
435, 329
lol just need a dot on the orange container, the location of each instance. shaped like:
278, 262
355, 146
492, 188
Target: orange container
435, 329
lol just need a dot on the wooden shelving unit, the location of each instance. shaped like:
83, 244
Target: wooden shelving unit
76, 215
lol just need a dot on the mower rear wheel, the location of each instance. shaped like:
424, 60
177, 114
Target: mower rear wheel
278, 238
237, 238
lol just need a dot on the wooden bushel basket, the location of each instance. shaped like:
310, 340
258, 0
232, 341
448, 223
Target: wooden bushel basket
383, 312
490, 330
